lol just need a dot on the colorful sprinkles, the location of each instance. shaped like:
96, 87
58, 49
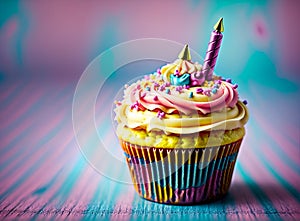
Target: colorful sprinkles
118, 103
235, 86
162, 88
199, 90
207, 93
214, 90
161, 114
179, 89
135, 106
167, 84
154, 82
216, 86
186, 86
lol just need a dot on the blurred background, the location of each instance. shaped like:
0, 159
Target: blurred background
56, 40
45, 46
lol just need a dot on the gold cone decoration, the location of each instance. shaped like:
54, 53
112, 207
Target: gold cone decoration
219, 25
185, 53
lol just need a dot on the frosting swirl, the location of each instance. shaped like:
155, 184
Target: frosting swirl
182, 66
154, 104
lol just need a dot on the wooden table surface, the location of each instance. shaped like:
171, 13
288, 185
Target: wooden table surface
44, 174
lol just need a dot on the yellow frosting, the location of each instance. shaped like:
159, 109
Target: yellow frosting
227, 119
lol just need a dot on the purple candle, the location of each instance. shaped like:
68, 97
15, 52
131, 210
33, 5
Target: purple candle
212, 50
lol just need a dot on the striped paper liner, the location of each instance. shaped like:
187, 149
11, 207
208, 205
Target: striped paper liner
181, 176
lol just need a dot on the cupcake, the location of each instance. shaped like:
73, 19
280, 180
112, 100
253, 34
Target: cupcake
181, 129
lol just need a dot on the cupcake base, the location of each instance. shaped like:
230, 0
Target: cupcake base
181, 176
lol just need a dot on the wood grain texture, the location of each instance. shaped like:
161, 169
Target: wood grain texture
44, 175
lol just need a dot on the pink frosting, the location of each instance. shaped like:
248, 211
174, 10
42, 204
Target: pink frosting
226, 96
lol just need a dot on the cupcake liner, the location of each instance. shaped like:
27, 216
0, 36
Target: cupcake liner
181, 176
